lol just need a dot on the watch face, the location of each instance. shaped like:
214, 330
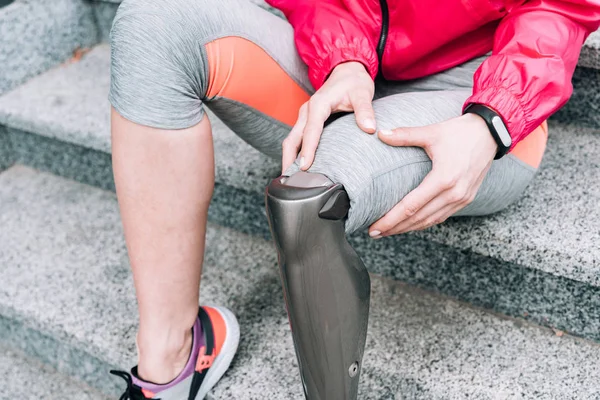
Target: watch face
502, 131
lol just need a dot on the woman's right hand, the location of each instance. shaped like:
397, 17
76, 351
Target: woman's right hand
348, 88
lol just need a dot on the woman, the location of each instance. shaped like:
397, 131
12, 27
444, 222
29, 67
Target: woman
409, 155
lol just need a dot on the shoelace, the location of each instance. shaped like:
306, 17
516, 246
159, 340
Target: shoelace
132, 392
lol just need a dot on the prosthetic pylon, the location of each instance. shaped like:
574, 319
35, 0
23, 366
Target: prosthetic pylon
325, 284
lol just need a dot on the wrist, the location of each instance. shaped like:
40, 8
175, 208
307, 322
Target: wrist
477, 124
352, 67
495, 125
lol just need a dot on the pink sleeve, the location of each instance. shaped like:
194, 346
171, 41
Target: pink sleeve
326, 35
536, 48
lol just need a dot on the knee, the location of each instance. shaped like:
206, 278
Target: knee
157, 69
154, 28
174, 22
375, 176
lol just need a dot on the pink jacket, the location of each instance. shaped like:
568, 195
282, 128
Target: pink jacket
535, 45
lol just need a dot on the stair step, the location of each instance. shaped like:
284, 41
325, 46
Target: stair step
590, 54
67, 298
35, 35
104, 12
539, 258
24, 378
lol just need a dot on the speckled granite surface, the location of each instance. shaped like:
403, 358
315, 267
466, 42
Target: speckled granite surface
36, 35
70, 102
503, 262
104, 13
65, 263
584, 106
590, 54
24, 378
65, 159
6, 150
583, 109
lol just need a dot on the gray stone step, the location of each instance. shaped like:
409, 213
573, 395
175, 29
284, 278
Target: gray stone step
67, 298
104, 12
584, 106
25, 378
539, 258
590, 54
35, 35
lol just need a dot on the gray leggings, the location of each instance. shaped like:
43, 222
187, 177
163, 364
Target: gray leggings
161, 78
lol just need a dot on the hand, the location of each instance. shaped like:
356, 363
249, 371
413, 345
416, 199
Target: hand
348, 88
461, 150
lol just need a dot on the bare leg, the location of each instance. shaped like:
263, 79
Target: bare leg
164, 183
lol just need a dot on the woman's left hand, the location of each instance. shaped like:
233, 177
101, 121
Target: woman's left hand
461, 150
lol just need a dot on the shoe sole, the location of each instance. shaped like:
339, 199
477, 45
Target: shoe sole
223, 360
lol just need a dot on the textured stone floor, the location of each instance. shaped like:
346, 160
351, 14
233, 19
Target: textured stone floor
24, 378
67, 296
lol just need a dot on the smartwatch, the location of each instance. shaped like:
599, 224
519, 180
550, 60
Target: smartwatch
495, 125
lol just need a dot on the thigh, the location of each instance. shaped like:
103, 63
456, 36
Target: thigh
378, 176
171, 58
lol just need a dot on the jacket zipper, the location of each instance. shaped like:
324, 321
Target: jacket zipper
385, 20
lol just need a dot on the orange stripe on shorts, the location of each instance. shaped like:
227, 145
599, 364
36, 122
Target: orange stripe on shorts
242, 71
531, 149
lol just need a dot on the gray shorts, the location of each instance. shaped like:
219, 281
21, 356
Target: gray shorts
162, 61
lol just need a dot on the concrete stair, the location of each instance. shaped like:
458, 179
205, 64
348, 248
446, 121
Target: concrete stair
584, 106
67, 297
70, 303
26, 378
36, 35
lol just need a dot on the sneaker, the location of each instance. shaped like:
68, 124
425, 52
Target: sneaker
215, 337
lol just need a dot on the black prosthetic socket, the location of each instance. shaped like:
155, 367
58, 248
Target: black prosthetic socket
325, 284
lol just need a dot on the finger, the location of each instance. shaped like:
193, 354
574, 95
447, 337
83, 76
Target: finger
454, 200
436, 219
424, 216
291, 144
363, 111
416, 136
433, 184
318, 112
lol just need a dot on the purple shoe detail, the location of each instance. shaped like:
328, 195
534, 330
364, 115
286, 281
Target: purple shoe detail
197, 343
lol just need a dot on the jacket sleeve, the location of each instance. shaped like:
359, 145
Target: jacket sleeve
327, 34
536, 47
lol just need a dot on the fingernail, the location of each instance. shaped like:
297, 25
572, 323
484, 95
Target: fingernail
374, 234
386, 132
369, 124
301, 162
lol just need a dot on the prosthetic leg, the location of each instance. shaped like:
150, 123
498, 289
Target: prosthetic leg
325, 284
